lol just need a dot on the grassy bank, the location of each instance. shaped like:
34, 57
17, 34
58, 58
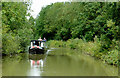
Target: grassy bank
92, 48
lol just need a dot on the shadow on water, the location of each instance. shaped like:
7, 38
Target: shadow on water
55, 63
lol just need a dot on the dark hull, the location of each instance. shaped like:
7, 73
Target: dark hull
36, 51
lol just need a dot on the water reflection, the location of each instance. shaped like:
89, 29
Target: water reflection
36, 63
54, 63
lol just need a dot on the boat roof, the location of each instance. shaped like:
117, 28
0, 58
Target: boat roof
38, 40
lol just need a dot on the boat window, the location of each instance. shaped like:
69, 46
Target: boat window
35, 43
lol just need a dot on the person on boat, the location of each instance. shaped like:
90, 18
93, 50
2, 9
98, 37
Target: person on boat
40, 39
44, 39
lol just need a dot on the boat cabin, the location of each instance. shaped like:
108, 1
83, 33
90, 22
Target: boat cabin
37, 43
37, 46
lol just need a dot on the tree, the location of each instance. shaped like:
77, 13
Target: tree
17, 30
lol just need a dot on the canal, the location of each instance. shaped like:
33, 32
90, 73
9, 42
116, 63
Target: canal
56, 62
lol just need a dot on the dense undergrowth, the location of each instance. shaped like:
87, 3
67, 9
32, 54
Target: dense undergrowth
96, 25
92, 48
17, 30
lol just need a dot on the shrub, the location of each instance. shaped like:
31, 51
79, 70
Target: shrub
93, 48
111, 57
11, 44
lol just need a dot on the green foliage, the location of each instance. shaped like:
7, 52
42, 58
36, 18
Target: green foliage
17, 30
63, 21
89, 48
0, 25
111, 57
11, 43
53, 43
92, 28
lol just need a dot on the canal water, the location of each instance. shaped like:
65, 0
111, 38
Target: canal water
56, 62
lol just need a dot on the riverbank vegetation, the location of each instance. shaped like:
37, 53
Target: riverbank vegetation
0, 27
17, 30
79, 24
92, 48
89, 27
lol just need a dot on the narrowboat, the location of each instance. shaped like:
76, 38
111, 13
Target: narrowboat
37, 47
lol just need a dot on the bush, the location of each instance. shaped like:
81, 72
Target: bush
55, 43
11, 44
92, 48
111, 57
